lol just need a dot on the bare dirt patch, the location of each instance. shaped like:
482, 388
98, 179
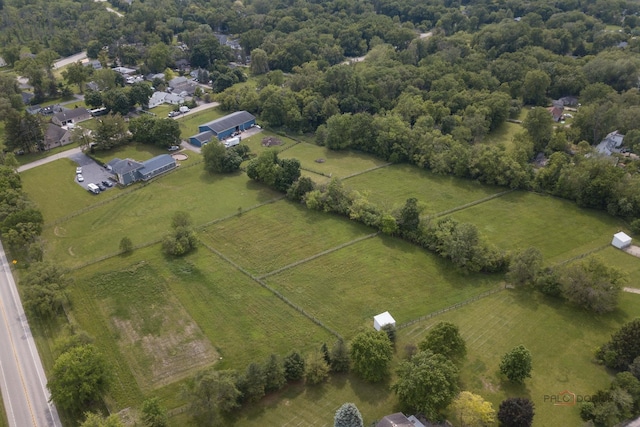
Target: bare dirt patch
159, 359
180, 156
488, 385
633, 250
271, 141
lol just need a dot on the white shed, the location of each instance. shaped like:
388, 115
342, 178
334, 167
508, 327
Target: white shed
383, 319
621, 240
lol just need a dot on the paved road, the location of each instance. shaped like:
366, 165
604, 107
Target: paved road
70, 60
22, 377
61, 155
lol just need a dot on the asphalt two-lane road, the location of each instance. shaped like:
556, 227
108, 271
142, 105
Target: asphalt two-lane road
22, 379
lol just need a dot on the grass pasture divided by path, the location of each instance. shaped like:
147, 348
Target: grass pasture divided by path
346, 288
391, 186
562, 341
279, 234
558, 228
145, 214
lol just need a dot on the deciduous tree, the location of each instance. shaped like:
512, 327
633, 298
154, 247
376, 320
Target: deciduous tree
211, 393
525, 267
153, 413
427, 383
45, 287
471, 410
516, 364
593, 285
624, 347
78, 378
444, 338
516, 412
371, 354
317, 369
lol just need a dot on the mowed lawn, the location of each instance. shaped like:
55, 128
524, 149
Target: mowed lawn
145, 215
346, 288
139, 152
334, 163
189, 124
255, 142
558, 228
561, 338
390, 187
279, 234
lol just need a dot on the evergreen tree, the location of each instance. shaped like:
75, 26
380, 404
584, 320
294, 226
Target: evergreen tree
348, 415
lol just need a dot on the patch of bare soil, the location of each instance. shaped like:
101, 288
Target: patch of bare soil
160, 359
488, 385
633, 250
271, 141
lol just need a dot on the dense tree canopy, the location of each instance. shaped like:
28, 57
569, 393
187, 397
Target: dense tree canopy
371, 353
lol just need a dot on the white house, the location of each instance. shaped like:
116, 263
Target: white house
621, 240
159, 98
610, 144
383, 319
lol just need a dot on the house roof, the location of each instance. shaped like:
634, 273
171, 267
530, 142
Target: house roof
121, 167
177, 81
203, 136
611, 143
54, 133
124, 70
556, 112
189, 87
395, 420
173, 97
26, 97
71, 114
157, 162
34, 109
230, 121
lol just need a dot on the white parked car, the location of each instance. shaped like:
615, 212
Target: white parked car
78, 170
80, 178
174, 148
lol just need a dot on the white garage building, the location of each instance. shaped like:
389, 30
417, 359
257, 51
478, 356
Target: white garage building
621, 240
383, 319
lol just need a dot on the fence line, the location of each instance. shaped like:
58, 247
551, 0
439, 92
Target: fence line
453, 307
468, 205
367, 170
582, 255
273, 291
318, 255
156, 241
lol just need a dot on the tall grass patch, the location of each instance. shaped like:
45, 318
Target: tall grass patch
279, 234
390, 187
561, 338
558, 228
346, 288
144, 215
156, 336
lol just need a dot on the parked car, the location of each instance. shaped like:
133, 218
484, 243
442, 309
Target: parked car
80, 178
174, 148
107, 184
174, 113
101, 187
78, 170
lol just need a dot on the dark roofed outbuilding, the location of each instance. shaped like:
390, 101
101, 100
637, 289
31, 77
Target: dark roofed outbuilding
224, 127
201, 139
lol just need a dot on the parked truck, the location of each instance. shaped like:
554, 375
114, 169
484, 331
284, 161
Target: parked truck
232, 142
92, 188
184, 109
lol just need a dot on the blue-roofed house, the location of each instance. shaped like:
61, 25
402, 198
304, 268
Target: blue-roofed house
129, 171
226, 126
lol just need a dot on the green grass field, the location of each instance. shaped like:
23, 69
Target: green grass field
158, 319
373, 276
558, 228
138, 152
336, 163
255, 142
391, 186
562, 341
144, 215
279, 234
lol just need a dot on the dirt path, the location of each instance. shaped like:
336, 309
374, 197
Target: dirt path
632, 290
